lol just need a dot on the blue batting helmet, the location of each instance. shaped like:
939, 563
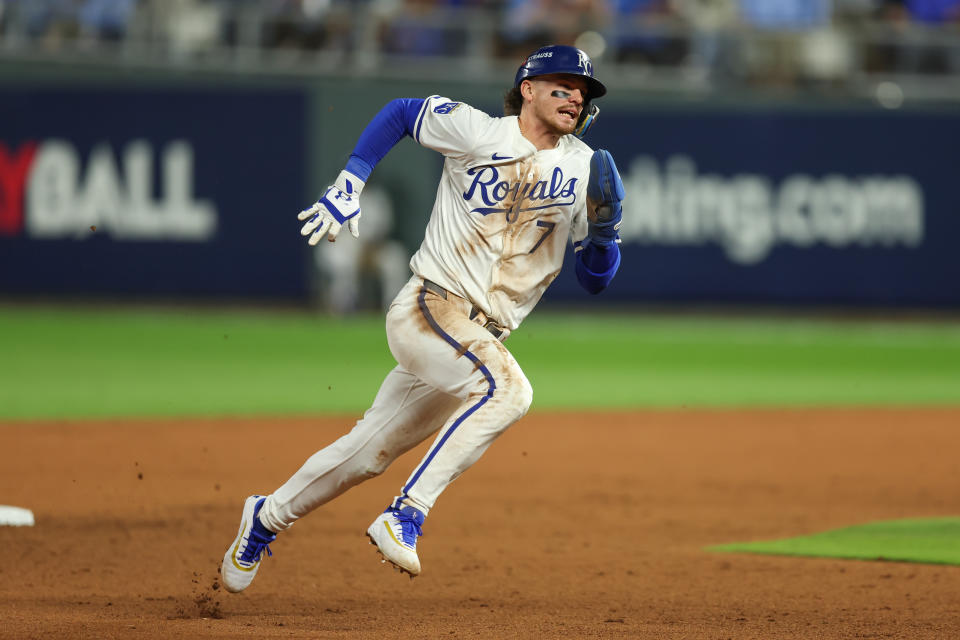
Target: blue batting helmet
559, 58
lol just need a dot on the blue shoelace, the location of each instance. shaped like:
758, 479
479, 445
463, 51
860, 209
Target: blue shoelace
256, 544
411, 528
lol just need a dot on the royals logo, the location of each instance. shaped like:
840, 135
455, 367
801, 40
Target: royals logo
584, 63
544, 194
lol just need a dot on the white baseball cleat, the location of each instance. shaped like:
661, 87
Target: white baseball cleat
242, 559
395, 533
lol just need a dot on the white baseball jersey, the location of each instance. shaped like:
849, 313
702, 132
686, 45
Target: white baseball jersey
504, 210
496, 238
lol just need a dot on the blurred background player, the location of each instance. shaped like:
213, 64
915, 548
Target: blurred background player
513, 190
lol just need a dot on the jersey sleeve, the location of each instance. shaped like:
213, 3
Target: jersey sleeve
450, 127
388, 127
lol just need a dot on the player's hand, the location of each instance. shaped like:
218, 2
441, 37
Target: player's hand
604, 198
340, 203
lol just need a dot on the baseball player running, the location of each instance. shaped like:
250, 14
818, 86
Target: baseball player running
513, 189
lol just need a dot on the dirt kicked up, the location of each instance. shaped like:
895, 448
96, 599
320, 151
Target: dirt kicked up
572, 525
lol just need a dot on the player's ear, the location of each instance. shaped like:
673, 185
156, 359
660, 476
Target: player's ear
526, 89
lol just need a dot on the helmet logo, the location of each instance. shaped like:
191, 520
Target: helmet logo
584, 63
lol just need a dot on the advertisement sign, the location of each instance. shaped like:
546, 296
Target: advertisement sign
825, 207
155, 194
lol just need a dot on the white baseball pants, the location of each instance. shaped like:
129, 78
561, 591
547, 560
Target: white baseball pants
452, 375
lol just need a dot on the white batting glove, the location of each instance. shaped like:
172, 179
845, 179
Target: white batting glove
340, 203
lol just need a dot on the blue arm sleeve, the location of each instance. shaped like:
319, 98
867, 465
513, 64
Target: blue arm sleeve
596, 265
387, 128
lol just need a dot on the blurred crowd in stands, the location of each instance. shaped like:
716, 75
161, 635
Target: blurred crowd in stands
768, 39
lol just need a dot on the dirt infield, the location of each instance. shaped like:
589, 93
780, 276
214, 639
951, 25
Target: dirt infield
575, 526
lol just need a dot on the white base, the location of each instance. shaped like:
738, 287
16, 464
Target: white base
15, 517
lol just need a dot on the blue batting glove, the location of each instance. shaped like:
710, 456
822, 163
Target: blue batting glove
604, 197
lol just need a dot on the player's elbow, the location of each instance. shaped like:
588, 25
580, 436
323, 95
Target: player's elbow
593, 282
594, 286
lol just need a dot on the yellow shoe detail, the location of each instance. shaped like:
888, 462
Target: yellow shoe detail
233, 555
392, 535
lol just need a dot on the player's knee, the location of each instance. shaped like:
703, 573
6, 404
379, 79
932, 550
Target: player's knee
526, 395
518, 396
377, 463
371, 472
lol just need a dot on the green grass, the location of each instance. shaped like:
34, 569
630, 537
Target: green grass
628, 361
927, 540
71, 363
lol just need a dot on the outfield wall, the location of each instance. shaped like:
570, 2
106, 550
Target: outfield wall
788, 206
162, 186
135, 192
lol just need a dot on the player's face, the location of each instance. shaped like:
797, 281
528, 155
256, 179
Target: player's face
558, 100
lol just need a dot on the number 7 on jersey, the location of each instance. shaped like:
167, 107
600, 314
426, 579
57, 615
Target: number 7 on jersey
549, 226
